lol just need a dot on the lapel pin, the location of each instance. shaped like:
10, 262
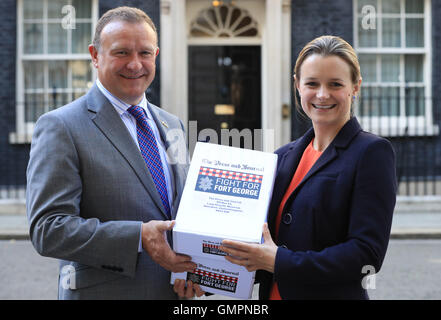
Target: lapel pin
164, 124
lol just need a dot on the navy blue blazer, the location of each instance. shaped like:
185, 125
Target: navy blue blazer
337, 220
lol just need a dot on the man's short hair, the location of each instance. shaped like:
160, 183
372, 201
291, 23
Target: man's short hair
127, 14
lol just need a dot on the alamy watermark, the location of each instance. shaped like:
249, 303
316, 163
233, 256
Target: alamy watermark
369, 280
369, 20
69, 20
253, 139
67, 277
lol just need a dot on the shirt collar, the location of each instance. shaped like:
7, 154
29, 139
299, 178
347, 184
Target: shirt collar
119, 105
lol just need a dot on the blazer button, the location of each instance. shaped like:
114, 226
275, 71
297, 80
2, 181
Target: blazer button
287, 218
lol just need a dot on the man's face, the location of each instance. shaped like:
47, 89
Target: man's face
126, 59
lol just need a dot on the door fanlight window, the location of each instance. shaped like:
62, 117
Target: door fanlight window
224, 21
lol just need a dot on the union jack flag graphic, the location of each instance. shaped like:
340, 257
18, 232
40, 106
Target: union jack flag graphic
230, 174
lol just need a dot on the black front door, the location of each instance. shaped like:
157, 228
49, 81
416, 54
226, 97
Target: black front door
224, 90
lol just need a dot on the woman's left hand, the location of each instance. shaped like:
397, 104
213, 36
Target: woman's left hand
252, 256
187, 291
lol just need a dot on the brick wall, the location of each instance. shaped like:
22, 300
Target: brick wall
13, 158
311, 19
417, 157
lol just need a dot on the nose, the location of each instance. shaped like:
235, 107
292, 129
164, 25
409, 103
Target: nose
322, 93
134, 64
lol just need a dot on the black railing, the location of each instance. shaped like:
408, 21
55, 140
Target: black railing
413, 125
416, 139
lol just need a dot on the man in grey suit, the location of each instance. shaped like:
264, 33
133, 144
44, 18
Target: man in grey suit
106, 173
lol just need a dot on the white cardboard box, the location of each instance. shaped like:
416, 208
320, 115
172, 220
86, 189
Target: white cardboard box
226, 196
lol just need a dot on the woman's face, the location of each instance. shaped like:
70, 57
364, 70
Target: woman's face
326, 90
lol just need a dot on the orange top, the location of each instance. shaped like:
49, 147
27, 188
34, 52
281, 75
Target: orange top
308, 159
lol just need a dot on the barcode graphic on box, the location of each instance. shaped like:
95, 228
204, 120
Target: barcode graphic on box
213, 280
212, 249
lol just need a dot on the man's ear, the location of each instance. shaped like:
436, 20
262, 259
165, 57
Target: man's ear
94, 55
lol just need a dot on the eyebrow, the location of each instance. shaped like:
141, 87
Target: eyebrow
122, 47
313, 79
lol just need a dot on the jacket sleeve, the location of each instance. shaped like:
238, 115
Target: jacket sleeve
54, 191
370, 218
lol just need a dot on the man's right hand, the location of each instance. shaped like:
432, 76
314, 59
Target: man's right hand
154, 241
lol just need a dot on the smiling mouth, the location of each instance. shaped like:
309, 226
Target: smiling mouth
324, 107
132, 77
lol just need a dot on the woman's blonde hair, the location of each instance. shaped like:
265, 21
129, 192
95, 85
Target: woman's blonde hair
328, 46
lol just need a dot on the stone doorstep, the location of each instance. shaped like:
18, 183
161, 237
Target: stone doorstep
417, 204
416, 233
12, 208
14, 235
22, 233
19, 230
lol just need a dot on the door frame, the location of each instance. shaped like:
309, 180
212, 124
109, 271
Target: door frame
275, 41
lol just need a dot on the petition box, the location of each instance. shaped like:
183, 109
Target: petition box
226, 196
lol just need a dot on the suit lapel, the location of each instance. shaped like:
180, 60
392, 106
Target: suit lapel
341, 141
292, 159
160, 123
286, 168
164, 127
109, 122
328, 155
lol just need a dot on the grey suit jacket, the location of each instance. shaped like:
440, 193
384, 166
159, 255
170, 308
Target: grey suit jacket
89, 190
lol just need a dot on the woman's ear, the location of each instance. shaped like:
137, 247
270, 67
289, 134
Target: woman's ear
357, 87
296, 84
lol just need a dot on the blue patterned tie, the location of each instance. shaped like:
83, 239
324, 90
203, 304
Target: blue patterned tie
150, 153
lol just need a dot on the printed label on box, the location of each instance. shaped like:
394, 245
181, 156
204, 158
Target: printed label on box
213, 280
228, 182
211, 248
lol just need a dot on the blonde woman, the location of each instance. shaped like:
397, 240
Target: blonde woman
331, 212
